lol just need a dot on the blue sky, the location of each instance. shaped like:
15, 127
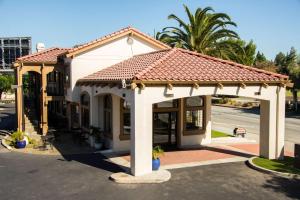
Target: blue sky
272, 24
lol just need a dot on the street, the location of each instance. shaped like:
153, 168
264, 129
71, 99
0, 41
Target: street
226, 119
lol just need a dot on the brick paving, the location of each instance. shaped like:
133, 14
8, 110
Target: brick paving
208, 153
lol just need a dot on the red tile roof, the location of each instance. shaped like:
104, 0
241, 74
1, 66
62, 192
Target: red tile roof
181, 65
46, 56
119, 32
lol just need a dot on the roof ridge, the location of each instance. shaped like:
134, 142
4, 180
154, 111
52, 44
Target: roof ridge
123, 30
232, 63
154, 64
40, 53
152, 52
36, 53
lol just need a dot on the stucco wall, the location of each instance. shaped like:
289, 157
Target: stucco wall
102, 57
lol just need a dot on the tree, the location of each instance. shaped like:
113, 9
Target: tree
5, 83
279, 59
206, 32
244, 53
260, 57
293, 70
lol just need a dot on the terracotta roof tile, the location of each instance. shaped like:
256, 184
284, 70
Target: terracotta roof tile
181, 65
47, 55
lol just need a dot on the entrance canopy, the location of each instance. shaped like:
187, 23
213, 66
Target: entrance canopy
178, 66
176, 74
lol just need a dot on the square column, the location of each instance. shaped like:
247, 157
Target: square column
272, 122
280, 129
141, 134
19, 100
44, 103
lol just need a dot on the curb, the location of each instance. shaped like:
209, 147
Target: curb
159, 176
4, 143
268, 171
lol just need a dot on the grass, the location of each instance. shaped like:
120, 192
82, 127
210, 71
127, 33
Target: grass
285, 165
217, 134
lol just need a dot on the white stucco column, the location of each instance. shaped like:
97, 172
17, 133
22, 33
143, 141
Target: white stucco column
272, 125
94, 111
267, 140
280, 129
141, 134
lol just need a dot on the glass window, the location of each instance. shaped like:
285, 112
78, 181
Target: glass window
194, 114
167, 104
85, 110
125, 117
194, 120
108, 114
194, 101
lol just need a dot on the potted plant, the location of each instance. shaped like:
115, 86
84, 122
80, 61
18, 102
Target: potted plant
18, 139
98, 139
156, 153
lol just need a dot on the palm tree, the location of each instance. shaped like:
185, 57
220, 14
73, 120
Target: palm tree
206, 32
241, 52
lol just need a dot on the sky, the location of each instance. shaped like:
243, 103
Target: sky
274, 25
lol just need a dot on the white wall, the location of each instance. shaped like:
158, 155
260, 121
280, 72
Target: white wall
102, 57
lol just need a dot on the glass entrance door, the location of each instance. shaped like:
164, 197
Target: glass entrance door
164, 128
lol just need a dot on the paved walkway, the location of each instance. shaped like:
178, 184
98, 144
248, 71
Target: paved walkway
211, 154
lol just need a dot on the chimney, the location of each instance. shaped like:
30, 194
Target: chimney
40, 46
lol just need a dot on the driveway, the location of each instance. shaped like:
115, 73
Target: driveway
226, 119
7, 116
24, 176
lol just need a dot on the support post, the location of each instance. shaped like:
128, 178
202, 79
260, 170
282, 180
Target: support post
280, 121
19, 100
141, 134
44, 103
267, 140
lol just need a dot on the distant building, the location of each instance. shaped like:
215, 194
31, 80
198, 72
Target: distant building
12, 48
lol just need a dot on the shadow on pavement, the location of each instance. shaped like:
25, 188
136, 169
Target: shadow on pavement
94, 160
289, 186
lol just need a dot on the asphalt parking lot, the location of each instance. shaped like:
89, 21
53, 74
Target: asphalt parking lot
24, 176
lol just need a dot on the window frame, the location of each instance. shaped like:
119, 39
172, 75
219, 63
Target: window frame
122, 135
193, 108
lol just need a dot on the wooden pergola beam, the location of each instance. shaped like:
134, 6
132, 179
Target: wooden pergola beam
220, 85
169, 86
142, 86
243, 85
196, 85
133, 86
265, 85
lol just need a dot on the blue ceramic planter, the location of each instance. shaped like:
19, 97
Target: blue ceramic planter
20, 144
155, 164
